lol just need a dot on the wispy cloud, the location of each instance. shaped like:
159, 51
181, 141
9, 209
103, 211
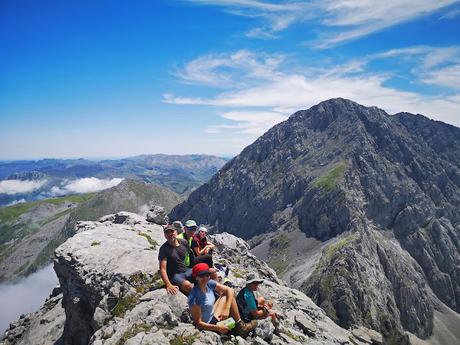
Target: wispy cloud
249, 122
85, 185
223, 70
263, 99
431, 65
11, 187
337, 20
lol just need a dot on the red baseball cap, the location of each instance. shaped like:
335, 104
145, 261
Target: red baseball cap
200, 269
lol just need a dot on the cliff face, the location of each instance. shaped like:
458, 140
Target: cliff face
112, 294
380, 192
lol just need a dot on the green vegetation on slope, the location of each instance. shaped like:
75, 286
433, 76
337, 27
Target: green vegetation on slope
10, 214
330, 180
279, 247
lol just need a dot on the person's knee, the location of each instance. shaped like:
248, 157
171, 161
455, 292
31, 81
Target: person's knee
261, 300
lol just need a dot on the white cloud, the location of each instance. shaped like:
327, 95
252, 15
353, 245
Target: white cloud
249, 122
85, 185
15, 202
222, 70
265, 98
448, 76
432, 65
11, 187
340, 20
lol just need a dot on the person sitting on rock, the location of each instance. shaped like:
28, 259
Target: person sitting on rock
251, 307
179, 226
200, 243
173, 271
202, 247
191, 259
207, 310
189, 231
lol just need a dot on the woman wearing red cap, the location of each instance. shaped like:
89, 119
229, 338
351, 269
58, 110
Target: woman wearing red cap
207, 310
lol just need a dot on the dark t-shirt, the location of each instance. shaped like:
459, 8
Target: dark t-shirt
175, 257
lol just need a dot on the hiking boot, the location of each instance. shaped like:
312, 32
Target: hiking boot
243, 328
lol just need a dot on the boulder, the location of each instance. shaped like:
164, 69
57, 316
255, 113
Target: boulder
157, 215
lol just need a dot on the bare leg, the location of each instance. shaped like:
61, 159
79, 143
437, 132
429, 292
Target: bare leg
219, 306
234, 312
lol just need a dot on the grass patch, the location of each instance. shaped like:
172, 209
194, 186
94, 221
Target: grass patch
279, 264
22, 268
237, 273
184, 339
11, 213
279, 242
151, 241
55, 217
333, 248
142, 283
293, 336
125, 304
330, 180
279, 246
95, 243
133, 331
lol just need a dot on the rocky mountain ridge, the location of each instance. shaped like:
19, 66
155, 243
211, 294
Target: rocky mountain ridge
371, 202
110, 293
30, 232
179, 173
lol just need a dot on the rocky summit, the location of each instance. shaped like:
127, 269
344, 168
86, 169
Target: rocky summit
110, 293
357, 208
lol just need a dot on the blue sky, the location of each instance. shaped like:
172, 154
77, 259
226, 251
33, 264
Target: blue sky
120, 78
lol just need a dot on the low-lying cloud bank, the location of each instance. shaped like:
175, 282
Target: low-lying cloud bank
11, 187
26, 296
85, 185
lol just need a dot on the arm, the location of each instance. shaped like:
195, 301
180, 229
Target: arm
260, 313
199, 251
195, 310
171, 289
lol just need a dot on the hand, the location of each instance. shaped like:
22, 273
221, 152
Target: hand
222, 329
224, 315
172, 289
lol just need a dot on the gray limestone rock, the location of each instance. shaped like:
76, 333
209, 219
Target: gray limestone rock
107, 273
157, 215
340, 168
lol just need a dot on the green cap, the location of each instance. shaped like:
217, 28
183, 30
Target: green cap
190, 223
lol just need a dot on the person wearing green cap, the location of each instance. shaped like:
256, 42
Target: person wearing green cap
190, 228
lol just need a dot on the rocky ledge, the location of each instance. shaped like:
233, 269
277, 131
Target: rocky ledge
112, 295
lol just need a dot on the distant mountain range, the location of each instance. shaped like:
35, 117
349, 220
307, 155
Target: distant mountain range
29, 232
22, 181
357, 208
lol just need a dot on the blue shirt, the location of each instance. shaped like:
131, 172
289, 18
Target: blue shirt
250, 298
247, 304
205, 300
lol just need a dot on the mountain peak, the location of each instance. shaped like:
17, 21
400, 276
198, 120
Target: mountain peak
340, 168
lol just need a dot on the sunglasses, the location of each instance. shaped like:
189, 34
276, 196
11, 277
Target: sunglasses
193, 228
204, 275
